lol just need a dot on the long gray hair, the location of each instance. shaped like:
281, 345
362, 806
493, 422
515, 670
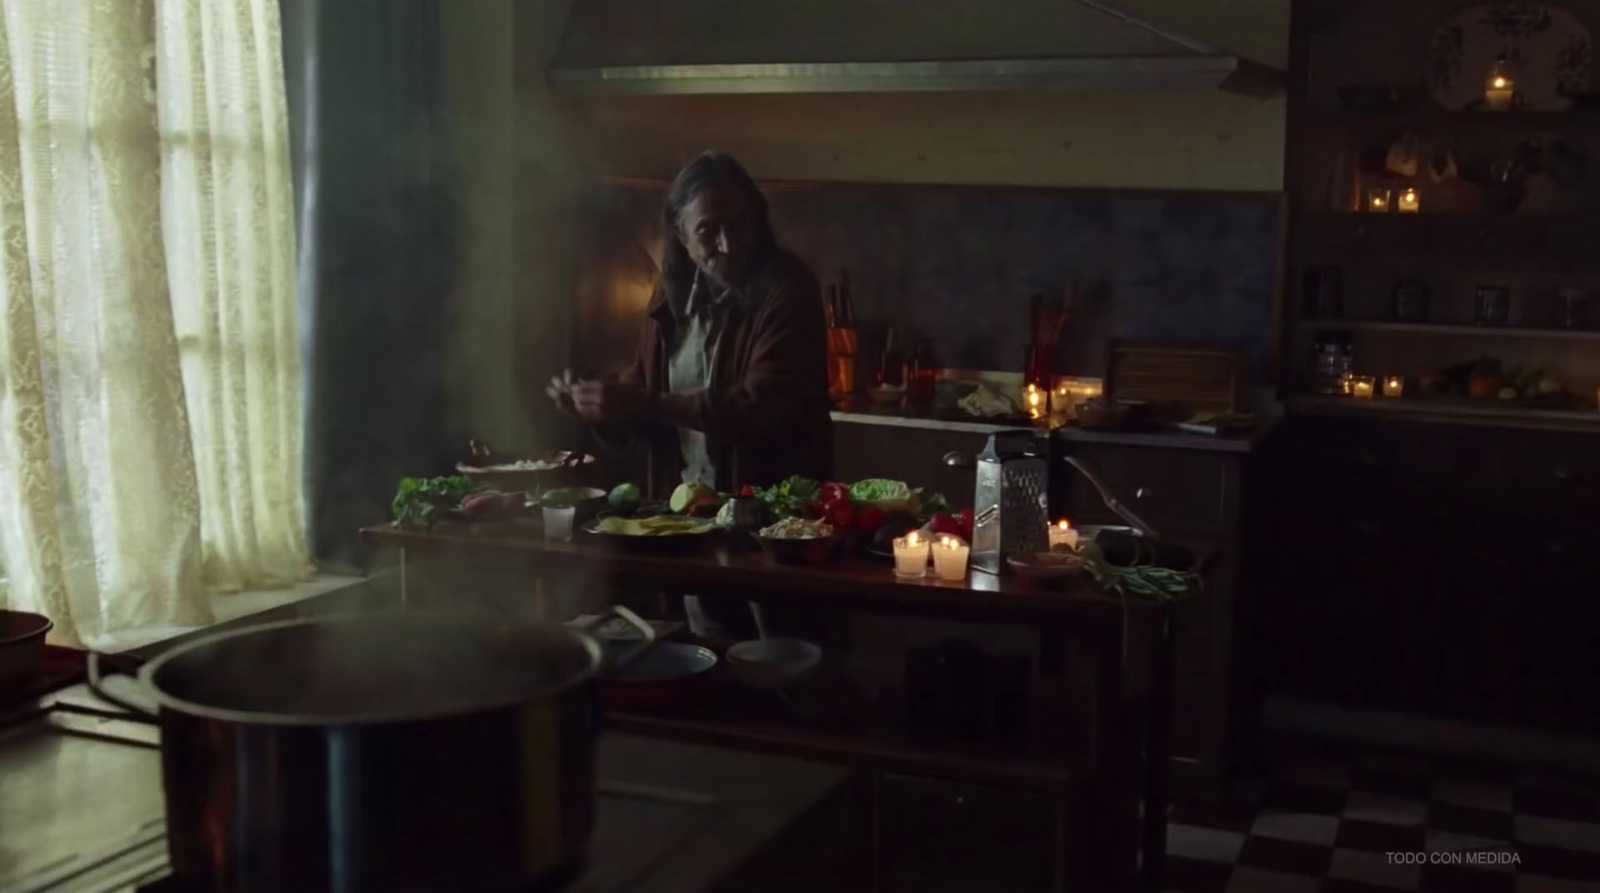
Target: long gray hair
707, 170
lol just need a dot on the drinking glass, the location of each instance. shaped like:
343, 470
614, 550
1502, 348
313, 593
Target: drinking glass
558, 522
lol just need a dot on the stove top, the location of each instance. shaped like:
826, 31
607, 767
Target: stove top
83, 809
636, 829
569, 879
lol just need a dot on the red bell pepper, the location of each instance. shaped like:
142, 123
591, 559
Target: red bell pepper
869, 519
840, 514
944, 525
833, 492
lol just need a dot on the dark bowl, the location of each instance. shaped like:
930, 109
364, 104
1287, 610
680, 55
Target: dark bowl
802, 553
21, 644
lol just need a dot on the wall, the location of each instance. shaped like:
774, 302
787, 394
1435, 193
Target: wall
527, 160
925, 259
479, 103
1175, 141
518, 189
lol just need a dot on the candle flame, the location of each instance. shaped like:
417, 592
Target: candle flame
1499, 83
911, 538
1063, 524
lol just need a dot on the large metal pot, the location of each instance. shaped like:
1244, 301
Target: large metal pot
392, 752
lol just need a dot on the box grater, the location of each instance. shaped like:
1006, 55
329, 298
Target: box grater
1010, 506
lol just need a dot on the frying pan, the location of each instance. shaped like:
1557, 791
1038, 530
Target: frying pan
669, 675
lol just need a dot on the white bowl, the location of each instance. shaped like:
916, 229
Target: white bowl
886, 394
773, 663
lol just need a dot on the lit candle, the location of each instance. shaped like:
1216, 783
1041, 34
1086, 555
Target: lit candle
911, 556
1499, 90
1410, 202
950, 559
1394, 386
1062, 533
1060, 404
1035, 399
1378, 200
1362, 387
1347, 384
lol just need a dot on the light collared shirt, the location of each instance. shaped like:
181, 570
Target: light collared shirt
693, 356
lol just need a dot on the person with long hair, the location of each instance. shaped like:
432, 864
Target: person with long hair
730, 385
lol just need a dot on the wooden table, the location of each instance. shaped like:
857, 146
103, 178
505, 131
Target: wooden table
1116, 767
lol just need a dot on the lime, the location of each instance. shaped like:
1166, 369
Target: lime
625, 497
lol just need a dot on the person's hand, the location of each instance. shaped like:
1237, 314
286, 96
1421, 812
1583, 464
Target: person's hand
607, 401
560, 390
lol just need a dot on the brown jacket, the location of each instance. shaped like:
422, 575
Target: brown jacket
766, 413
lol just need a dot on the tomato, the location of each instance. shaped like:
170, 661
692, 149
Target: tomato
943, 524
869, 519
832, 493
747, 491
965, 521
840, 515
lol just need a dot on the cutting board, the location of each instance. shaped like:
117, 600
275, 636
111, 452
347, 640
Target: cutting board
1201, 378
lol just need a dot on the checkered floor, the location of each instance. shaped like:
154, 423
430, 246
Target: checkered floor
1326, 822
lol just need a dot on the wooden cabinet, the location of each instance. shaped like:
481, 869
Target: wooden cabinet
893, 833
1181, 490
1436, 568
1186, 491
941, 837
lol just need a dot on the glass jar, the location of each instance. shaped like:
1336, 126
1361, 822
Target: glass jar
1494, 305
1411, 301
1333, 361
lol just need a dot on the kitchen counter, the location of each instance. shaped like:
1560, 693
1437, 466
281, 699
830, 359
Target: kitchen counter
81, 807
1106, 757
867, 414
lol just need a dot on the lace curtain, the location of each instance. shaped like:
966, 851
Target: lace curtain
150, 433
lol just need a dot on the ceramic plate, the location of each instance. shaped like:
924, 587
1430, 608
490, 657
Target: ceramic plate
1547, 47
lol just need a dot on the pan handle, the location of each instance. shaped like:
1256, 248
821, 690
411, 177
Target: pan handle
633, 620
132, 697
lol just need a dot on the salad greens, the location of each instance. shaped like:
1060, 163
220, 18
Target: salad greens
788, 498
417, 499
792, 497
891, 496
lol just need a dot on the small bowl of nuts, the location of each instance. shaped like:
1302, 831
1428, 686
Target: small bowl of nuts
800, 541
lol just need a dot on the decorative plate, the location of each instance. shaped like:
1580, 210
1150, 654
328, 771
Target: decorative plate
1548, 50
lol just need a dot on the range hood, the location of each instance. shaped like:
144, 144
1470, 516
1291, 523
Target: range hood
845, 46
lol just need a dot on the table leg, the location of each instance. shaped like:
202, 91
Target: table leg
1130, 752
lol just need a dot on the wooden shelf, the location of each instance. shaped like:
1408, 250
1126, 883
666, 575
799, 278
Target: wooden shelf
1383, 325
875, 738
1559, 242
1457, 410
1423, 118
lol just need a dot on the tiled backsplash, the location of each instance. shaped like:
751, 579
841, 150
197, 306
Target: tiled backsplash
959, 264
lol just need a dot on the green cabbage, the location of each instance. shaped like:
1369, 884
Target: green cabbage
890, 496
